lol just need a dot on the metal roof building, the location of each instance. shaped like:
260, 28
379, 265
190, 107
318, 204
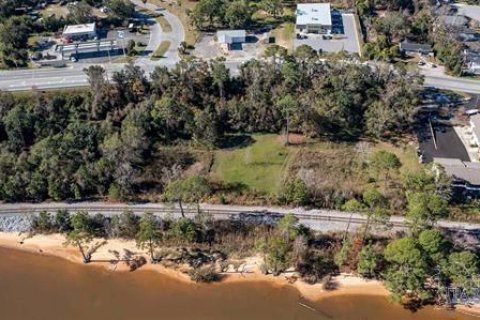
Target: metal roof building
314, 17
80, 30
453, 21
231, 36
465, 175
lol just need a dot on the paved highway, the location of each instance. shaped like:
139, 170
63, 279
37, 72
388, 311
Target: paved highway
73, 75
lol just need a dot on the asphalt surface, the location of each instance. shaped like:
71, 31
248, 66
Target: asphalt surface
157, 36
471, 11
448, 143
451, 83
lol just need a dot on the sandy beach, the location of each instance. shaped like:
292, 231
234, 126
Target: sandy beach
53, 245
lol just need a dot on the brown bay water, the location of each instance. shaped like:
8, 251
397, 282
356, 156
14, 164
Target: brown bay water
41, 287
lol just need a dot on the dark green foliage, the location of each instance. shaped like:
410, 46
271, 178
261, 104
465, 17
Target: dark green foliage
148, 235
369, 261
99, 143
14, 33
450, 53
425, 208
120, 9
43, 223
185, 230
125, 225
209, 13
463, 270
408, 270
296, 192
278, 254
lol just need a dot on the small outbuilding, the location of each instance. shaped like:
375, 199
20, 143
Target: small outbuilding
80, 32
229, 37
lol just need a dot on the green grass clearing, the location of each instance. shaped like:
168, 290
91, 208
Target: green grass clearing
266, 164
259, 166
161, 50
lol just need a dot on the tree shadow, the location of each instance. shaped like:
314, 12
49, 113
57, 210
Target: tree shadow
330, 284
236, 141
95, 247
413, 305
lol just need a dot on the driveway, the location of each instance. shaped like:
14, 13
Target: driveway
473, 12
348, 41
157, 36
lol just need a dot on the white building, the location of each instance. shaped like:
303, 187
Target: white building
80, 31
475, 131
314, 18
229, 37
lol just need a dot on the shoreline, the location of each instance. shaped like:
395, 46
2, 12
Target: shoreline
346, 284
52, 245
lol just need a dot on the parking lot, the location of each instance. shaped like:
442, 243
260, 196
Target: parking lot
448, 143
345, 37
208, 48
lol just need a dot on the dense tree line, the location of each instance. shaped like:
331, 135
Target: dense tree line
209, 14
80, 144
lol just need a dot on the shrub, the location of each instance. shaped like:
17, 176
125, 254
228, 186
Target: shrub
204, 274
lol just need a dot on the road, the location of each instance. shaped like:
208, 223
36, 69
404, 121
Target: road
317, 219
471, 11
437, 79
74, 76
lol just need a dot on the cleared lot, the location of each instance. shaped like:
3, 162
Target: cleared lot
348, 41
208, 48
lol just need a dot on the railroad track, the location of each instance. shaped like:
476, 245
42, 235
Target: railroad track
355, 219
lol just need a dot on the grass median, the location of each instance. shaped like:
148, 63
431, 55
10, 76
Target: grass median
164, 24
161, 50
